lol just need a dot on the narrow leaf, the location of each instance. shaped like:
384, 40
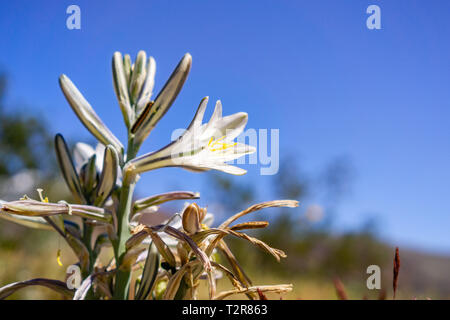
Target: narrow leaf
149, 273
280, 288
250, 225
237, 268
163, 249
31, 222
158, 199
80, 250
259, 206
55, 285
175, 280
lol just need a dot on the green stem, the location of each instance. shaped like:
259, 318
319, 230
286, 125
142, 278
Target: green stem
87, 235
122, 280
132, 148
87, 240
123, 233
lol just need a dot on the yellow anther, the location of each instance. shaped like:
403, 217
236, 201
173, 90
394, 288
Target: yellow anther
224, 146
58, 258
204, 226
40, 190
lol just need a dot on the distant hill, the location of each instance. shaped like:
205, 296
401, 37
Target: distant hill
425, 272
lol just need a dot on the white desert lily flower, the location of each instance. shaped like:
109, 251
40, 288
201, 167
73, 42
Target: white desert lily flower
202, 146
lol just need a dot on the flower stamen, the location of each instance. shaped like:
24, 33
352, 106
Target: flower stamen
220, 145
40, 190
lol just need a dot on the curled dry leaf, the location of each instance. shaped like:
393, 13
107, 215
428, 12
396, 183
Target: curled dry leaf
280, 288
55, 285
259, 206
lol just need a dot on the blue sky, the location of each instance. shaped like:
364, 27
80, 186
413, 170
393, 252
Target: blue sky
310, 68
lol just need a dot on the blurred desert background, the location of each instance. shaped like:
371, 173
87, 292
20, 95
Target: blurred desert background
317, 254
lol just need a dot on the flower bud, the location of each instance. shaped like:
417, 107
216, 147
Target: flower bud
89, 175
191, 218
